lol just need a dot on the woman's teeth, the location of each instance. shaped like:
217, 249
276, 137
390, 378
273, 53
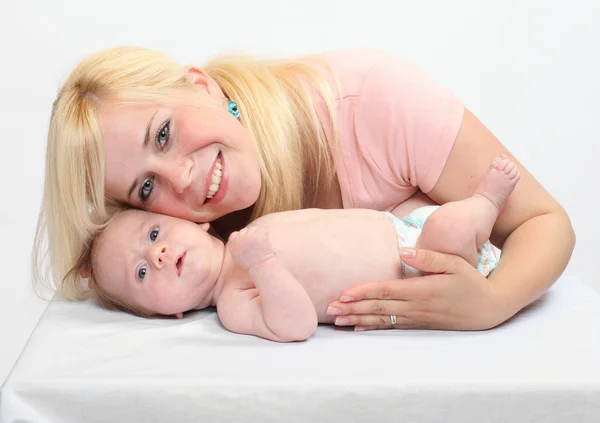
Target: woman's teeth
216, 179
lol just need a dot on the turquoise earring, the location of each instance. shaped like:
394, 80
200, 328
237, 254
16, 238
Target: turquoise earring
233, 109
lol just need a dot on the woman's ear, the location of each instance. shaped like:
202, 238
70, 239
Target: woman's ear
202, 80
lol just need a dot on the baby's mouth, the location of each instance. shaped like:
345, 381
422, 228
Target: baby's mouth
179, 264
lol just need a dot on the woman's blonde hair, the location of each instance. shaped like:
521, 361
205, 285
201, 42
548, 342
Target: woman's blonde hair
276, 103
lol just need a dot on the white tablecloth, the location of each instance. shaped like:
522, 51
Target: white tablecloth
86, 364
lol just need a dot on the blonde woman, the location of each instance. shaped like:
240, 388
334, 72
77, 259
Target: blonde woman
240, 138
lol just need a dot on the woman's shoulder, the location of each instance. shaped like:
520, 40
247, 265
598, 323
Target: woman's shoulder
403, 122
357, 60
355, 70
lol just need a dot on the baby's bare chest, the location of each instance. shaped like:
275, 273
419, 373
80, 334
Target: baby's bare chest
331, 251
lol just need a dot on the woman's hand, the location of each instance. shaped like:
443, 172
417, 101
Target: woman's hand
451, 295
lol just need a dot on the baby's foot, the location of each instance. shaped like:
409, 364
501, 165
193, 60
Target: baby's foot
499, 181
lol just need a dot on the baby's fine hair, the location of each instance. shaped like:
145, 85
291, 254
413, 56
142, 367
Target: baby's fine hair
87, 263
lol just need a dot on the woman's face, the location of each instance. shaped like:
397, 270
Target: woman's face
193, 162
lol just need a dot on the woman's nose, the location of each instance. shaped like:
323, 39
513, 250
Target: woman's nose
179, 175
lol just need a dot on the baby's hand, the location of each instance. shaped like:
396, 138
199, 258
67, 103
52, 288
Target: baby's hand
250, 246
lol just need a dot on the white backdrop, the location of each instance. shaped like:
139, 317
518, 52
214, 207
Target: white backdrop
528, 70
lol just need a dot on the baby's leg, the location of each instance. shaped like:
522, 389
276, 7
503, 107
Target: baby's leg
461, 227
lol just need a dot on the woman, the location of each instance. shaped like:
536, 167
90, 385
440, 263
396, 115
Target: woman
341, 129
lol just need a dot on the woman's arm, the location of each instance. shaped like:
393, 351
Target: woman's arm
533, 231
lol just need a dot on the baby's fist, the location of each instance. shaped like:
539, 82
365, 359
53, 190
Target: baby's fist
250, 246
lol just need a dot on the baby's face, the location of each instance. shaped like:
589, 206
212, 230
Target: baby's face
158, 263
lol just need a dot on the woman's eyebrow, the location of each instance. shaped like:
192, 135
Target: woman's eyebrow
147, 135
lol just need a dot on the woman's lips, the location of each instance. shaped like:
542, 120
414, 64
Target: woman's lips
208, 179
224, 182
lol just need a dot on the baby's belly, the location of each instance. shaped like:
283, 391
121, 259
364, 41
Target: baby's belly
326, 283
329, 253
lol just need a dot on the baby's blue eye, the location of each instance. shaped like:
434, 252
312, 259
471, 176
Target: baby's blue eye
142, 272
153, 234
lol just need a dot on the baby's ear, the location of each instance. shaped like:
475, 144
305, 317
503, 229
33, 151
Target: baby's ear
205, 226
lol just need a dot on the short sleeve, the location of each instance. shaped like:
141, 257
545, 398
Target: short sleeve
405, 122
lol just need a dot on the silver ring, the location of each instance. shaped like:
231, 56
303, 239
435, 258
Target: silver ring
393, 319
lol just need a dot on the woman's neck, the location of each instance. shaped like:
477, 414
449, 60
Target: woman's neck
332, 198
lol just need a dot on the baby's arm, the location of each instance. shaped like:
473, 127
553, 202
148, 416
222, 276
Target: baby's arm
279, 308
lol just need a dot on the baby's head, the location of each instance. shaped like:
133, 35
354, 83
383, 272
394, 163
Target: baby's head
152, 264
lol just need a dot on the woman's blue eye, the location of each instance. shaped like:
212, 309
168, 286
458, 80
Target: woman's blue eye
142, 273
146, 189
153, 234
162, 136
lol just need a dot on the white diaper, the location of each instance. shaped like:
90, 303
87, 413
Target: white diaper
409, 228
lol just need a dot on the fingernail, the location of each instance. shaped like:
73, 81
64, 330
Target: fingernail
341, 321
408, 253
359, 328
332, 311
346, 298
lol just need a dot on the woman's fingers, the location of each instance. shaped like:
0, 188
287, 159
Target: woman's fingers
395, 289
428, 261
382, 314
378, 321
370, 307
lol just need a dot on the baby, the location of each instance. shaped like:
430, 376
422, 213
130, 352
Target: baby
275, 278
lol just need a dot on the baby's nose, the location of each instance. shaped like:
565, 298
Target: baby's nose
158, 254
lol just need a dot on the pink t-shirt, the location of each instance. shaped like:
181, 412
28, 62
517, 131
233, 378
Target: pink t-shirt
396, 128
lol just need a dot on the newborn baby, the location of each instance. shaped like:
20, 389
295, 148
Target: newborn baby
275, 278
